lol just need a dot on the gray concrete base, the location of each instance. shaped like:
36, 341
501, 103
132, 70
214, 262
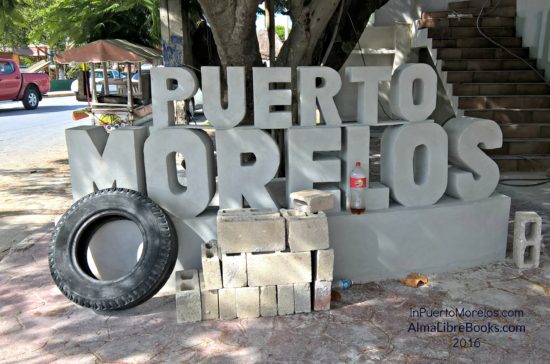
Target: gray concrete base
392, 243
389, 243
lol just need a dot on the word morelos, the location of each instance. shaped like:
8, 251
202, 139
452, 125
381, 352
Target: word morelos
420, 160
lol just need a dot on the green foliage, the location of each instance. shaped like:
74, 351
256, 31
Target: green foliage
280, 31
58, 22
85, 21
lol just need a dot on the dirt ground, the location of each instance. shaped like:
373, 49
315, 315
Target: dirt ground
32, 194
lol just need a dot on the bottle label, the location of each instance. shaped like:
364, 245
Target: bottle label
358, 182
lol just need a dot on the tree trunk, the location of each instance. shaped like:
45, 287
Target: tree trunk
310, 19
355, 17
233, 24
270, 17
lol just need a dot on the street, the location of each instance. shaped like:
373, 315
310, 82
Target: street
34, 173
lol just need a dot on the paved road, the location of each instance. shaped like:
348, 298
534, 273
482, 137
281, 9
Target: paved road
30, 136
34, 175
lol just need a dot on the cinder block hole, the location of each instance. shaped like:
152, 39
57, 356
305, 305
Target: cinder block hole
186, 275
209, 254
208, 246
233, 254
186, 287
248, 159
262, 253
296, 213
530, 230
529, 255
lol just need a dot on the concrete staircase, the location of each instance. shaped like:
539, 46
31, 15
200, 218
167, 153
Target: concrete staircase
489, 83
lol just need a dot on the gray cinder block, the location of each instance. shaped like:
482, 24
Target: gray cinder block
209, 301
234, 270
270, 269
323, 265
250, 230
315, 200
211, 265
227, 303
248, 302
321, 295
306, 231
302, 297
527, 239
285, 299
268, 301
188, 296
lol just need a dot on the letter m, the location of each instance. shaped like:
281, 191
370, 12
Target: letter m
100, 160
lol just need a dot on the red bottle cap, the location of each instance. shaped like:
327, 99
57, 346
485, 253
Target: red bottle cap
358, 164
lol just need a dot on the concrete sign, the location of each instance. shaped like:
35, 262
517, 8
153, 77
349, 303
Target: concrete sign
422, 163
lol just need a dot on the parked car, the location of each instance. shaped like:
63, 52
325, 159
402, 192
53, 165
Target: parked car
99, 76
17, 86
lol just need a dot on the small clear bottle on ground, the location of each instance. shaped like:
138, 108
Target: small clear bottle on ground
357, 185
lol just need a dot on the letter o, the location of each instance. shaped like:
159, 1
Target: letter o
414, 163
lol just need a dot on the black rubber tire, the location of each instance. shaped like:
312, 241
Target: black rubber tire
31, 98
69, 245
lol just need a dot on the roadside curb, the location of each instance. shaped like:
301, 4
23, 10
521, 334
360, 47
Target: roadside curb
59, 94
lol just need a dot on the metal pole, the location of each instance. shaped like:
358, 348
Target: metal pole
94, 91
105, 79
130, 91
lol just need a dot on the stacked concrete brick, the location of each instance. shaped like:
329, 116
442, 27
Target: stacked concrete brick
264, 263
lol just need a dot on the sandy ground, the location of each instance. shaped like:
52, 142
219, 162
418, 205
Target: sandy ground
34, 171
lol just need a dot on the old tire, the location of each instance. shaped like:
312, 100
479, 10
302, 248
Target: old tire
69, 246
31, 98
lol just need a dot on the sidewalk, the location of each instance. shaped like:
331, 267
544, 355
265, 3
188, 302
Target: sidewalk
60, 94
369, 323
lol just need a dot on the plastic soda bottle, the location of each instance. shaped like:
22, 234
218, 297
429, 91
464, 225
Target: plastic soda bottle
357, 185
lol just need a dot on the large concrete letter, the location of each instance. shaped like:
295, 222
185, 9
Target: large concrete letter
163, 185
164, 94
99, 160
312, 95
413, 91
235, 111
265, 98
240, 175
305, 162
474, 175
369, 79
414, 163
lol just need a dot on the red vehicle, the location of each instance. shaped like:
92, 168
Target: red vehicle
17, 86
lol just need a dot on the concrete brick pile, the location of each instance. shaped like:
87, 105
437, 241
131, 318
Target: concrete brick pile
264, 263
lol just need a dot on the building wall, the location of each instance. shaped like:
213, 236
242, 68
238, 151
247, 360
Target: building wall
10, 55
533, 25
407, 11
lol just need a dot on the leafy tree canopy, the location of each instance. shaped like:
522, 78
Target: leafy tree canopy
58, 22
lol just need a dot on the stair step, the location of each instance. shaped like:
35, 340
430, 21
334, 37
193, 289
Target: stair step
481, 53
487, 64
467, 22
477, 42
522, 163
512, 102
533, 130
492, 76
480, 3
512, 116
493, 89
469, 32
523, 146
505, 11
